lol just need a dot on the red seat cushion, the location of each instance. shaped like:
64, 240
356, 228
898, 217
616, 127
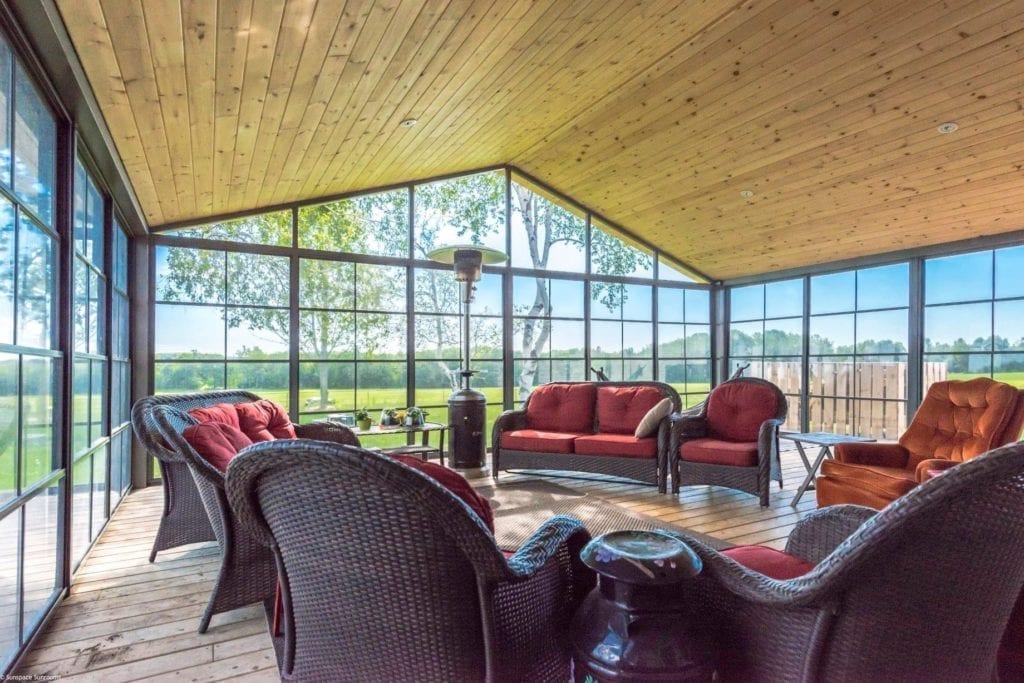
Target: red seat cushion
620, 409
736, 410
769, 561
621, 445
264, 421
454, 482
224, 413
716, 452
539, 441
562, 408
218, 443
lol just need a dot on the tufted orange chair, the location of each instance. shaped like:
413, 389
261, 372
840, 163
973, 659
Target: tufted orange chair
956, 421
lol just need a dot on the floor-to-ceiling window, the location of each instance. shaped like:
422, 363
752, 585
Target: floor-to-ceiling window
30, 360
342, 296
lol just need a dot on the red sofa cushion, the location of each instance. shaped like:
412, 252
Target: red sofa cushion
769, 561
717, 452
621, 445
224, 413
454, 482
562, 408
737, 409
539, 441
218, 443
264, 421
620, 409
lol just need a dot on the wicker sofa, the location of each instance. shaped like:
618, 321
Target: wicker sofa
586, 427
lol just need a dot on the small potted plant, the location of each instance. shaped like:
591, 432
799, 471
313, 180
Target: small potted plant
414, 416
363, 419
388, 417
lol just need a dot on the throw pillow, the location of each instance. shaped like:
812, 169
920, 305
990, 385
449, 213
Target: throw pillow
219, 412
264, 420
649, 424
454, 482
218, 443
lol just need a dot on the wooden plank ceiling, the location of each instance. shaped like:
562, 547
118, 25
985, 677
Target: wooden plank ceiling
656, 113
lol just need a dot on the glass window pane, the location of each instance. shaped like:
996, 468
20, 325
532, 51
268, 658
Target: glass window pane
36, 287
486, 338
326, 387
488, 381
605, 339
960, 328
98, 409
532, 336
746, 339
1009, 368
834, 292
943, 366
189, 332
93, 248
636, 302
274, 229
327, 334
1009, 326
436, 291
784, 299
437, 336
177, 378
435, 381
120, 258
81, 507
965, 277
327, 284
380, 336
99, 490
671, 305
81, 306
375, 224
258, 333
9, 417
746, 303
698, 306
606, 300
884, 287
638, 369
667, 270
81, 402
883, 332
381, 385
488, 296
567, 338
671, 341
698, 341
190, 275
6, 62
1009, 266
9, 560
35, 148
464, 210
546, 235
783, 337
269, 380
97, 314
39, 394
380, 288
638, 339
567, 299
258, 280
7, 258
832, 334
611, 254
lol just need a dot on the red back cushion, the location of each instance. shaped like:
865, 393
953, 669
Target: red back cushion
737, 409
562, 408
264, 421
620, 409
216, 442
224, 413
454, 482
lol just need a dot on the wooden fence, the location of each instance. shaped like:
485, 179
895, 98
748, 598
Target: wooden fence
866, 399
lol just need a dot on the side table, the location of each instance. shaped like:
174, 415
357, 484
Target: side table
825, 440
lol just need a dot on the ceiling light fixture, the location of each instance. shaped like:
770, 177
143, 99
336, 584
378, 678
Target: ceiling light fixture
948, 127
746, 194
408, 123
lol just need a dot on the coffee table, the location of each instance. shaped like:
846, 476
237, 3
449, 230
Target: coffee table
423, 449
825, 441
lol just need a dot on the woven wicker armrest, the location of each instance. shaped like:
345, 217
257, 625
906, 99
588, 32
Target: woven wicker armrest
324, 430
820, 532
508, 421
546, 542
768, 438
686, 426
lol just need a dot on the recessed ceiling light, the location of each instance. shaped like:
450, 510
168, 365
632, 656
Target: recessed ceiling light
948, 127
408, 123
746, 194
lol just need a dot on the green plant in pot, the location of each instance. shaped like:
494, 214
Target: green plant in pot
363, 419
388, 417
414, 417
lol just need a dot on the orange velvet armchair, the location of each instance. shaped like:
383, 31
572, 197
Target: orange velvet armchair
956, 422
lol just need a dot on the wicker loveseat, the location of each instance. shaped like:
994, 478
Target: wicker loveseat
387, 576
586, 427
195, 506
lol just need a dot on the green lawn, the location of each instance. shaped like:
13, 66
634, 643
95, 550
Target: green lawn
1014, 378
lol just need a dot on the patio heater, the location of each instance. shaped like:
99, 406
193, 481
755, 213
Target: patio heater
467, 407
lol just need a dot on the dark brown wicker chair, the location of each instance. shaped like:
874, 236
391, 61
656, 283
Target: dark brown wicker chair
194, 500
751, 471
919, 591
387, 576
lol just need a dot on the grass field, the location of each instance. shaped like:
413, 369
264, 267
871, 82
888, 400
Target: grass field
1014, 378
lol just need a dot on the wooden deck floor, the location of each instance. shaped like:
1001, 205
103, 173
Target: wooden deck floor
127, 619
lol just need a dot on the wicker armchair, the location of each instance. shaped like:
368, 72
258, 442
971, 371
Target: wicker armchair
734, 438
922, 590
386, 575
195, 508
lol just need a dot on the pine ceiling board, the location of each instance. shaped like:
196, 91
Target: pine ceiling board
199, 24
234, 30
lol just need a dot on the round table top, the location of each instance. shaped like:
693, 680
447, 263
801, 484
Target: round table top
641, 557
